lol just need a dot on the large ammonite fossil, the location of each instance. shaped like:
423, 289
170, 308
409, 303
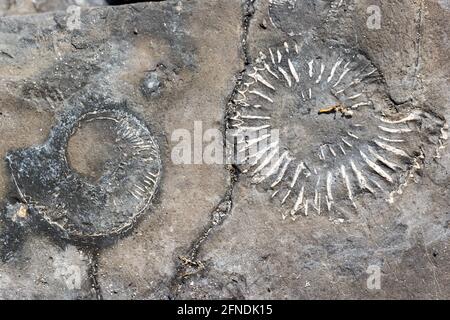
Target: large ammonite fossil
340, 137
73, 205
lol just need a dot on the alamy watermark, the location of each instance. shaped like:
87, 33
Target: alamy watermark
374, 279
211, 146
73, 20
374, 19
71, 275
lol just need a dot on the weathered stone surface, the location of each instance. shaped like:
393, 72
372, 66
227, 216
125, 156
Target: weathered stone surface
22, 7
42, 270
143, 265
256, 254
213, 231
194, 55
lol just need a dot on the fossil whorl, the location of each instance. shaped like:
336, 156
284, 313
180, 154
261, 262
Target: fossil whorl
73, 205
340, 138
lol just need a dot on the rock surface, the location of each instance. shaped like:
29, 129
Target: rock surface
25, 7
210, 231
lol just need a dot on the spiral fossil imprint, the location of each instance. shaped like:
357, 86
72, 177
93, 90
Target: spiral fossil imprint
69, 202
340, 139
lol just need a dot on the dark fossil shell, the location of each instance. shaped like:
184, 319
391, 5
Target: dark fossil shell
74, 206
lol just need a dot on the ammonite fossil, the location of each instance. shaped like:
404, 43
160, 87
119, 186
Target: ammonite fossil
73, 205
340, 137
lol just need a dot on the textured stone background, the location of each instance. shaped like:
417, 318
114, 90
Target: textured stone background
211, 233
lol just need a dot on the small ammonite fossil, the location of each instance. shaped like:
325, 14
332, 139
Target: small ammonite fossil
339, 137
73, 205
